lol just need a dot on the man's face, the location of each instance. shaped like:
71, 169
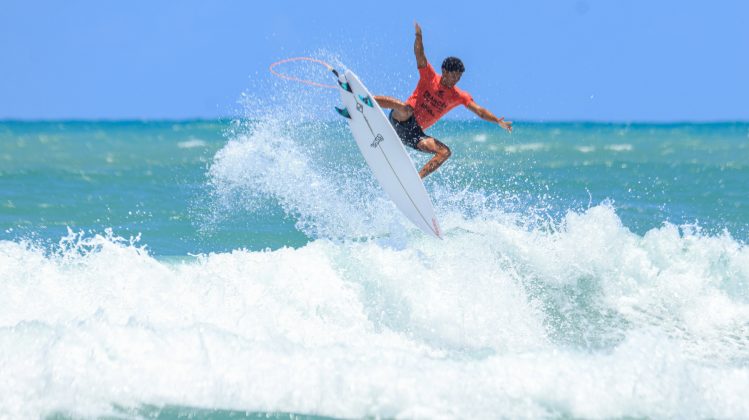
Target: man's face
450, 78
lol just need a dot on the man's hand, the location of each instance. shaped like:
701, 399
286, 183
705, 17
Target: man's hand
507, 125
485, 114
421, 58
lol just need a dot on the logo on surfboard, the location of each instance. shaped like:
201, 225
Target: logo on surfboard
377, 140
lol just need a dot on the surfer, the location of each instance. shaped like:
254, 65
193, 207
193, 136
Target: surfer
433, 97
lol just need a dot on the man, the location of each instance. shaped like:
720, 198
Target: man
433, 97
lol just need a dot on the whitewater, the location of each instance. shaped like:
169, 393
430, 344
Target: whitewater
589, 320
252, 268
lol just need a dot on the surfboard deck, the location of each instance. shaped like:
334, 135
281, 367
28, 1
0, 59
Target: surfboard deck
385, 154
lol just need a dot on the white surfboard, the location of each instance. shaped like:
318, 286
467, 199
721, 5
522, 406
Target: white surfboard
385, 154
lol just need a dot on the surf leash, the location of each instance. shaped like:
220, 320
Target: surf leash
300, 80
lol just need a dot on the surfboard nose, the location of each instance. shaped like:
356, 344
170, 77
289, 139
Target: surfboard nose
436, 227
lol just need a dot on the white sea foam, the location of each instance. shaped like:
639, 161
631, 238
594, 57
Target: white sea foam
332, 201
527, 147
191, 144
480, 138
619, 147
584, 319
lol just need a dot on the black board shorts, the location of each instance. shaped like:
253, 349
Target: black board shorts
409, 131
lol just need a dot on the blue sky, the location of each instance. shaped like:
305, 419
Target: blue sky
600, 60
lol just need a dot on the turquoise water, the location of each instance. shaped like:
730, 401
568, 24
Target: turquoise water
244, 268
154, 178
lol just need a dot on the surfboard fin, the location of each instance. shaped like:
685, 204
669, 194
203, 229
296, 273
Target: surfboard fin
345, 86
367, 101
343, 111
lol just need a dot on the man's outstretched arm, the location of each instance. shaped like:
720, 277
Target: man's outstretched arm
486, 115
421, 59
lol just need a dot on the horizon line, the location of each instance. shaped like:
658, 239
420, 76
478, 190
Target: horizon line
232, 118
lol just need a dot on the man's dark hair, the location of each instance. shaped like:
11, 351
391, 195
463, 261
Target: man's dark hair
453, 64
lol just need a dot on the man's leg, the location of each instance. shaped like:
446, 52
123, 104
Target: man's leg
441, 153
401, 111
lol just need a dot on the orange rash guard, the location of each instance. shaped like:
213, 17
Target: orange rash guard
430, 100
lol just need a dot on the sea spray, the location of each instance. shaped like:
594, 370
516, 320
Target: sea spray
587, 319
588, 270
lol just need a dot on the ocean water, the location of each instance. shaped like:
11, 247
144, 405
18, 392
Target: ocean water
251, 268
